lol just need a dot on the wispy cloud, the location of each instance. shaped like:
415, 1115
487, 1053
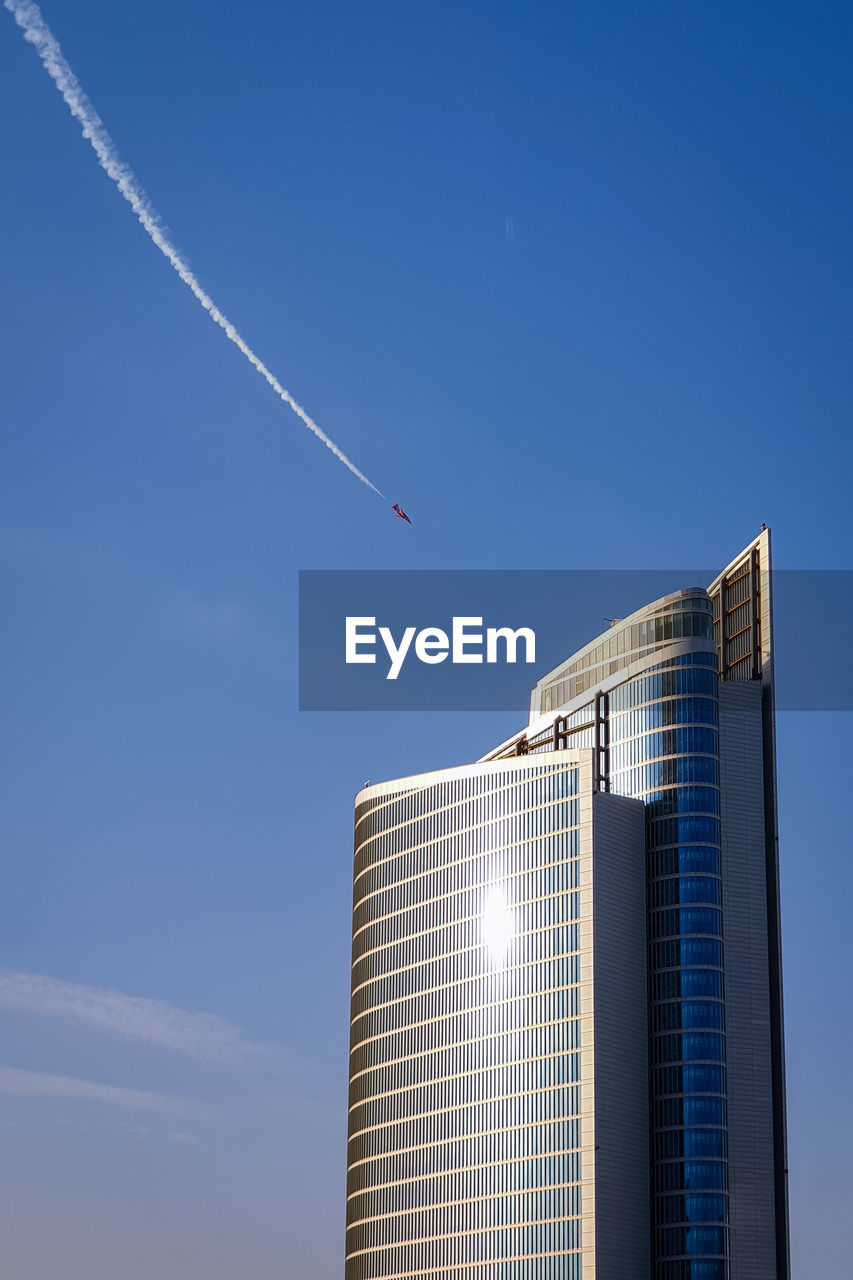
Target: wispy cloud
153, 1022
36, 1084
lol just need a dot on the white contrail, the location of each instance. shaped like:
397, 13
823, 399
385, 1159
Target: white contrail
29, 19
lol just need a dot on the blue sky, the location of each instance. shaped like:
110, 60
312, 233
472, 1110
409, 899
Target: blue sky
572, 284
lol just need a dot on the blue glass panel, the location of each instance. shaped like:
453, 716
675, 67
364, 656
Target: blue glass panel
706, 1240
699, 889
699, 920
703, 1144
691, 1207
675, 952
683, 800
684, 830
688, 983
704, 1208
701, 951
701, 982
688, 1014
685, 890
710, 1269
676, 1079
694, 739
689, 1046
700, 1046
663, 748
707, 1079
701, 1013
688, 920
692, 1240
704, 1111
691, 860
704, 1175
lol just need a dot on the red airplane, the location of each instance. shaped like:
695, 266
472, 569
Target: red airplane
400, 513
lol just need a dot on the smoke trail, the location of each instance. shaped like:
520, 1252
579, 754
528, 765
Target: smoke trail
29, 19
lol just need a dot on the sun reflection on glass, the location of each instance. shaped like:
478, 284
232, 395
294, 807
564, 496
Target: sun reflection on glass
498, 928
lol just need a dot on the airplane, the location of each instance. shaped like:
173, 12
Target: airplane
400, 513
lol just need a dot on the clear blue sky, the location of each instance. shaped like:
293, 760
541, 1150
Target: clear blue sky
570, 282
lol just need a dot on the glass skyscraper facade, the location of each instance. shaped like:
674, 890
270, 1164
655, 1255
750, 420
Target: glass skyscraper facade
567, 1028
665, 750
464, 1123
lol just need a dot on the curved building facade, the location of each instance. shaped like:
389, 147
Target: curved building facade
664, 748
601, 1090
474, 1097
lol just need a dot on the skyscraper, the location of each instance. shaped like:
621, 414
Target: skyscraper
567, 1051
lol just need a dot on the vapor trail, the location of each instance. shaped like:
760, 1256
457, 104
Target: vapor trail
29, 19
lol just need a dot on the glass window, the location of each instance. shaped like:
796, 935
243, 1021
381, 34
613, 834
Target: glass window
704, 1143
707, 1079
704, 1111
704, 1175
